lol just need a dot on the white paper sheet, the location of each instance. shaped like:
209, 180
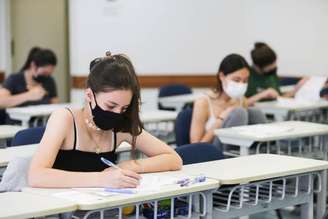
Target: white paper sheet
310, 91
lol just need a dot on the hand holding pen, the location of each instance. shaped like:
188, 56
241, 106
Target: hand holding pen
116, 177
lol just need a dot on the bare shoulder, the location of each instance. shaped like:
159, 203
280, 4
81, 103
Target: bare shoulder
201, 102
201, 105
61, 119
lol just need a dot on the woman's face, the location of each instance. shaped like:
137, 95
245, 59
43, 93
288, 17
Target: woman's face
239, 76
46, 70
116, 101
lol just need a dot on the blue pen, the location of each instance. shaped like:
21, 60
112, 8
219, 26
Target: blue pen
109, 163
122, 191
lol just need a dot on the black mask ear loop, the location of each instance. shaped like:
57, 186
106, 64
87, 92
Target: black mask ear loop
94, 97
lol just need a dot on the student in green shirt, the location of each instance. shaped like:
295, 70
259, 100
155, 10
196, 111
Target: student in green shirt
263, 83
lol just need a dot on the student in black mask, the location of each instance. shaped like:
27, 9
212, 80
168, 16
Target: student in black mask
33, 84
263, 83
75, 140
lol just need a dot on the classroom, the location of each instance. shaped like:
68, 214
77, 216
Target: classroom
163, 109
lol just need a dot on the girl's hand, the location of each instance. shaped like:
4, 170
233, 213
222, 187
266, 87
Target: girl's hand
270, 93
119, 178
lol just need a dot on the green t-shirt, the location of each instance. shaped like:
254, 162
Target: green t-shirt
258, 82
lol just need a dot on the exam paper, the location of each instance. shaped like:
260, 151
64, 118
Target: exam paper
310, 90
148, 183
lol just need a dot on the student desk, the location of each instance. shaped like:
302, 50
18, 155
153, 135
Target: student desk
98, 203
293, 111
178, 101
246, 136
156, 116
264, 182
24, 114
266, 134
27, 205
8, 131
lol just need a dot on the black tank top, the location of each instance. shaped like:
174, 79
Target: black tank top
83, 161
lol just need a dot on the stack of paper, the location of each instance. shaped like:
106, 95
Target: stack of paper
310, 90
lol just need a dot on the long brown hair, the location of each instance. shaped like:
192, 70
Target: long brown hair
116, 72
40, 57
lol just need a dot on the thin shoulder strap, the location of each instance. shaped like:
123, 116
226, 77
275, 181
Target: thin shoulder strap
74, 146
114, 137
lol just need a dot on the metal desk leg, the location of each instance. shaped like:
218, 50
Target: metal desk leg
25, 123
244, 151
322, 196
3, 143
209, 205
307, 208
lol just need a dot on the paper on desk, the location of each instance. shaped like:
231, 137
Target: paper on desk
148, 183
310, 90
154, 183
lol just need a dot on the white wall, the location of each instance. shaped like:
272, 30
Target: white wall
192, 36
5, 54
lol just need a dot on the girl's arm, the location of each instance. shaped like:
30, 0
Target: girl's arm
161, 157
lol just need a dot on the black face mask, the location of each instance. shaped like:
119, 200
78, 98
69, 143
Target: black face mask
40, 78
106, 120
271, 72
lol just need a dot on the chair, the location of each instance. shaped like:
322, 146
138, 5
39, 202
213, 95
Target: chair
198, 153
171, 90
28, 136
182, 127
324, 92
285, 81
3, 116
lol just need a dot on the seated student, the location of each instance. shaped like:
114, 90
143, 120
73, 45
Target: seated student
263, 82
75, 140
33, 84
225, 106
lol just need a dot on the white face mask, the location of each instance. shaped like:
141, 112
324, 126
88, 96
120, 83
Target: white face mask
234, 89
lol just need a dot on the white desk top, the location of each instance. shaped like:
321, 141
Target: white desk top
185, 98
157, 116
9, 131
289, 105
241, 170
28, 205
94, 201
273, 131
9, 153
37, 110
223, 172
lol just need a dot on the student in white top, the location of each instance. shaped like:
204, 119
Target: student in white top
225, 106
